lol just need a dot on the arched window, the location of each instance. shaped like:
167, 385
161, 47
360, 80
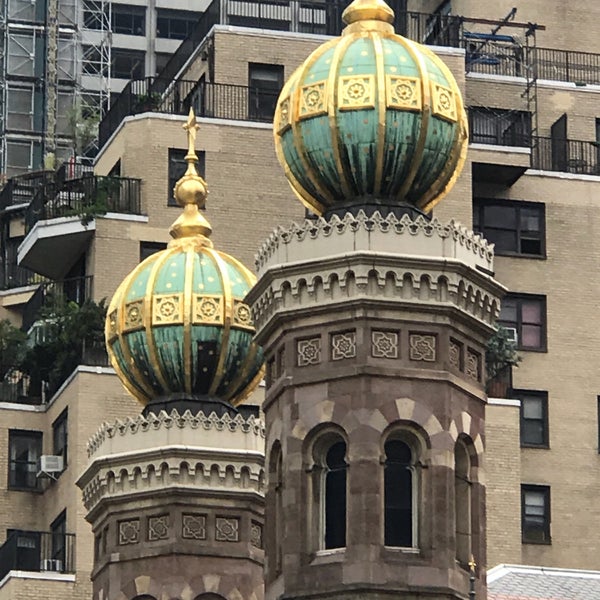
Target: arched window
462, 502
276, 487
334, 495
400, 487
209, 596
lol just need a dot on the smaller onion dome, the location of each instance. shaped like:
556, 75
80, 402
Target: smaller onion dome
371, 119
177, 326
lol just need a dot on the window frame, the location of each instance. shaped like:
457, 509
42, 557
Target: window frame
61, 424
479, 226
34, 436
260, 92
518, 325
543, 396
147, 248
58, 530
131, 12
174, 176
168, 16
545, 491
137, 69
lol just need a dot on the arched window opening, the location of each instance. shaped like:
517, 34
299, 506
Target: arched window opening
462, 502
334, 492
399, 494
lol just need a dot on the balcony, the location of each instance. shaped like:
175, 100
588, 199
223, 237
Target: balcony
566, 156
21, 189
65, 240
37, 551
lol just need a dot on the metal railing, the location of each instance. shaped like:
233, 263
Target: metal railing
20, 189
499, 127
75, 289
37, 551
13, 276
567, 65
85, 197
567, 156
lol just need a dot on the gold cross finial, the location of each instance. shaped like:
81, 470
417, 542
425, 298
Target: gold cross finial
472, 564
191, 126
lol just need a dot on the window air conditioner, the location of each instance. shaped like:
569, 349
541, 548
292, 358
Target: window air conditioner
512, 334
50, 463
52, 564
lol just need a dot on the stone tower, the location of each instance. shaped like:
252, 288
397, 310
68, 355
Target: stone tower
175, 496
374, 320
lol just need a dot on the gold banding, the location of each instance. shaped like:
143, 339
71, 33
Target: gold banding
208, 310
403, 92
356, 92
381, 112
443, 102
112, 331
312, 100
285, 118
167, 309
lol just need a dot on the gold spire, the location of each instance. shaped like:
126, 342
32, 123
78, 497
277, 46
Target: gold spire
368, 15
190, 192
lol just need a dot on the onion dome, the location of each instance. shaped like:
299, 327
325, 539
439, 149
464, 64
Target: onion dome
178, 326
371, 118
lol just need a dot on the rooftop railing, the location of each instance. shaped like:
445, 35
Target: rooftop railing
566, 156
37, 551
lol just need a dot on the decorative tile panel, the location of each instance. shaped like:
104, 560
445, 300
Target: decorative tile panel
284, 116
256, 534
242, 317
158, 528
309, 351
443, 102
403, 92
193, 527
355, 92
129, 532
455, 351
227, 529
207, 310
384, 344
473, 364
112, 325
134, 315
313, 100
422, 347
167, 309
343, 345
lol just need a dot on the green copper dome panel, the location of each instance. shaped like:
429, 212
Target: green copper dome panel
169, 347
137, 286
137, 345
171, 274
206, 275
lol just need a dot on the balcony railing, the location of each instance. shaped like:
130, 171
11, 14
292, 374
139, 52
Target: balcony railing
567, 156
216, 100
37, 551
84, 197
499, 127
20, 189
567, 65
13, 276
54, 293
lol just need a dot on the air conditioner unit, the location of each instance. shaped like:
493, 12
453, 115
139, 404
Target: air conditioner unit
52, 564
512, 334
50, 463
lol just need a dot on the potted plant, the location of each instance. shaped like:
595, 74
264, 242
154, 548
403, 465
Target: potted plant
500, 357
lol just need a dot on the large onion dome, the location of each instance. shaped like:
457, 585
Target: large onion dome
371, 118
178, 327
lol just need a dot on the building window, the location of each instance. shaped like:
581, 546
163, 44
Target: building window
334, 496
149, 248
400, 488
127, 19
526, 315
177, 168
25, 449
161, 60
175, 24
535, 514
58, 546
534, 418
516, 228
276, 478
59, 435
462, 502
265, 82
127, 64
499, 127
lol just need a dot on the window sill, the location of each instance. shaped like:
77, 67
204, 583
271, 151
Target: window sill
323, 557
403, 549
536, 543
35, 490
520, 255
535, 446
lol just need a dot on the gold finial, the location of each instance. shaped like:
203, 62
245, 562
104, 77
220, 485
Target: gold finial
190, 192
369, 14
472, 564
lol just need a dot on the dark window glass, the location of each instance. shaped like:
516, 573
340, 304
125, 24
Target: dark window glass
335, 496
398, 486
514, 227
161, 58
462, 502
527, 316
59, 531
127, 19
177, 168
127, 64
535, 514
500, 127
534, 418
149, 248
59, 435
175, 24
25, 448
265, 82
